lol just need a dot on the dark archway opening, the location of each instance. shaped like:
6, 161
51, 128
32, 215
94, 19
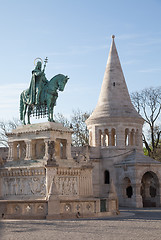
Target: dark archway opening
150, 190
129, 192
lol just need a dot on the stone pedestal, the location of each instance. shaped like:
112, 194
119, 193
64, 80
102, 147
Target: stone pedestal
43, 179
53, 201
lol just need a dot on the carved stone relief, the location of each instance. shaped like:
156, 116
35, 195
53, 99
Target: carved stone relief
67, 186
24, 186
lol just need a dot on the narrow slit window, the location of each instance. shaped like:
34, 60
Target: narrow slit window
106, 177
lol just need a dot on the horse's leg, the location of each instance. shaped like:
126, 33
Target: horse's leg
52, 104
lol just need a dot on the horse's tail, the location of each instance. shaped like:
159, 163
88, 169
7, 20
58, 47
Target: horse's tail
21, 106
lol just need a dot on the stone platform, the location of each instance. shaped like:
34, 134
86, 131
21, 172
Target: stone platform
40, 179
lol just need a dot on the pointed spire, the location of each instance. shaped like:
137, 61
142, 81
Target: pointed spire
114, 100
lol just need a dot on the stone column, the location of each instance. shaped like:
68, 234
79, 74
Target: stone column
94, 137
34, 149
120, 137
28, 150
104, 139
137, 198
109, 138
90, 138
68, 150
46, 148
10, 151
140, 141
97, 137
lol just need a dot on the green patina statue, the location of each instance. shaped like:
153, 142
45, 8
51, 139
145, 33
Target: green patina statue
40, 98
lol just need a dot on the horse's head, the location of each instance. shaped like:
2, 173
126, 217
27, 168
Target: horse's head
62, 82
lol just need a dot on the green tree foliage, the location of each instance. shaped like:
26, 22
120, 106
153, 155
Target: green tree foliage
148, 104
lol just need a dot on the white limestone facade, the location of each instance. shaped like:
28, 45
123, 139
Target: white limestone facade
115, 139
44, 177
41, 179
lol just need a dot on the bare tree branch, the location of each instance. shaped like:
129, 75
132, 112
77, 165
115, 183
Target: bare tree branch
6, 127
80, 135
148, 103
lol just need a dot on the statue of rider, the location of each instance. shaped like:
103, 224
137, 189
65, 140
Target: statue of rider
37, 83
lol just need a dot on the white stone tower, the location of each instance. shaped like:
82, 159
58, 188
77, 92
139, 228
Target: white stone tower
115, 122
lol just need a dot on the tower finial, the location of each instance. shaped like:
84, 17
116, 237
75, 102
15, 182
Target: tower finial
113, 36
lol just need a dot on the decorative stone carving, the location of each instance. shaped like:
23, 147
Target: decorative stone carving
67, 186
28, 208
78, 207
67, 208
24, 186
51, 150
88, 206
17, 209
40, 208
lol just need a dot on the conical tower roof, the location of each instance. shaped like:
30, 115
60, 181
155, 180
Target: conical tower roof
114, 100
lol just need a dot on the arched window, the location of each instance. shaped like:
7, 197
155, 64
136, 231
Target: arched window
113, 137
126, 137
106, 177
106, 137
132, 134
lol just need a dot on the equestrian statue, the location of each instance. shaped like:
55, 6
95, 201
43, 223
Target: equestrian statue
40, 98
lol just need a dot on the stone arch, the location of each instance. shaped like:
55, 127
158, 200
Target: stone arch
113, 137
106, 137
106, 177
126, 137
38, 148
150, 189
61, 148
19, 150
132, 135
127, 188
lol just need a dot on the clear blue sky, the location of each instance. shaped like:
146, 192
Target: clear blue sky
76, 36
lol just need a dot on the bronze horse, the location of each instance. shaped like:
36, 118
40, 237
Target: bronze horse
48, 99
